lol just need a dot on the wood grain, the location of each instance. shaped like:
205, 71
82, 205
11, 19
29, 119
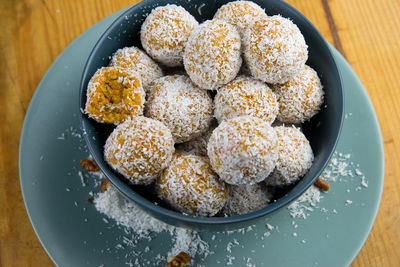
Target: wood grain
34, 33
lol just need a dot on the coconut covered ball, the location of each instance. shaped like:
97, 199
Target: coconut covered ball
114, 94
139, 149
183, 107
245, 96
198, 145
243, 199
137, 60
295, 157
212, 54
274, 49
165, 32
300, 98
190, 186
243, 150
240, 14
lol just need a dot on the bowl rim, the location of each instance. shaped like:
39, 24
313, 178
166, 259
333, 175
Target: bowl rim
152, 208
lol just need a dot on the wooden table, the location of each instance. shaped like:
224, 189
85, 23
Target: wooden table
34, 32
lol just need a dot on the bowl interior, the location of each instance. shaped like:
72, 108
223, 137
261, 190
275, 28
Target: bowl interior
322, 131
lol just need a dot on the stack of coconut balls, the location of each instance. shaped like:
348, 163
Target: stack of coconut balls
204, 136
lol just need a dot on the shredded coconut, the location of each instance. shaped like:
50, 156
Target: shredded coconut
127, 214
137, 60
306, 203
183, 107
165, 32
139, 148
82, 178
245, 96
300, 98
198, 145
190, 186
244, 199
274, 49
295, 156
240, 14
243, 150
212, 54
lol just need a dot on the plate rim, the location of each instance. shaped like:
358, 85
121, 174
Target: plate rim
36, 96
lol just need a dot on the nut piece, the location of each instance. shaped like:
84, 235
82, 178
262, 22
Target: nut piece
322, 184
105, 185
89, 165
180, 260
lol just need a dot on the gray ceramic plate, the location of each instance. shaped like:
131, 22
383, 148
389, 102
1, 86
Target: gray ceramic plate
75, 234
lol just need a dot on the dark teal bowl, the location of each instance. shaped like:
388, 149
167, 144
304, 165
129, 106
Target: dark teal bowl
322, 131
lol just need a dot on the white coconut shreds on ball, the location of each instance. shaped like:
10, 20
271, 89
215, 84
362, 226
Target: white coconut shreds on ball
300, 98
244, 199
139, 149
245, 96
191, 186
114, 94
243, 150
274, 49
295, 157
165, 32
183, 107
212, 54
240, 14
137, 60
198, 145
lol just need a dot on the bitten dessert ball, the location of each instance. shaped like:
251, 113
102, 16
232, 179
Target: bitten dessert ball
165, 32
245, 96
300, 98
114, 94
274, 49
243, 150
295, 156
190, 186
137, 60
240, 14
139, 148
212, 54
243, 199
183, 107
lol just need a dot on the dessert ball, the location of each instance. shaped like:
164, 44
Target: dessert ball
114, 94
245, 96
274, 49
240, 14
212, 54
183, 107
198, 145
137, 60
190, 186
243, 199
165, 32
243, 150
295, 156
300, 98
139, 148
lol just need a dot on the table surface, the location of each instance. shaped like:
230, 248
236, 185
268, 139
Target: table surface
366, 32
